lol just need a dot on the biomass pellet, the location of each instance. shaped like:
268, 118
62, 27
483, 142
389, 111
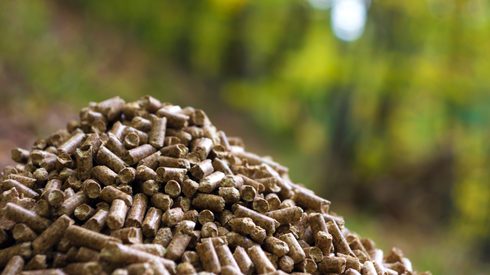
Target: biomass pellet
97, 221
208, 256
22, 215
52, 235
261, 261
80, 236
14, 266
22, 233
129, 235
295, 250
117, 214
151, 222
111, 193
137, 210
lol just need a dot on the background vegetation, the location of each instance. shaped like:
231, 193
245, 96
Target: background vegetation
393, 128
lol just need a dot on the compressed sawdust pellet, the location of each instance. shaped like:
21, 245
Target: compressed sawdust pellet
148, 187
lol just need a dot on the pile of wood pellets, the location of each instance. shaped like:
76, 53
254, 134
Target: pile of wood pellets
148, 187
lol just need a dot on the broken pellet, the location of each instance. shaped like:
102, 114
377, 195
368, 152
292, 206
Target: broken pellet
230, 194
202, 169
286, 264
52, 235
22, 215
80, 236
172, 216
144, 173
261, 262
175, 151
163, 236
137, 211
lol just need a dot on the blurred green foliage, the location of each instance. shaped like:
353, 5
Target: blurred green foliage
394, 124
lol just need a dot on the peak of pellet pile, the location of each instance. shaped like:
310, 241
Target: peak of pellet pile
152, 188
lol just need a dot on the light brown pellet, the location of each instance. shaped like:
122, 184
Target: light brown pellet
261, 261
117, 214
332, 264
91, 188
243, 260
157, 133
172, 188
276, 246
126, 176
209, 257
14, 266
97, 221
140, 152
80, 236
128, 235
209, 201
162, 201
108, 158
169, 173
22, 249
111, 193
83, 212
262, 220
286, 263
151, 223
22, 233
177, 246
172, 216
22, 215
137, 211
104, 175
189, 188
52, 235
295, 250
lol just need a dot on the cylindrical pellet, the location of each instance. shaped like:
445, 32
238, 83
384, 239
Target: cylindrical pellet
137, 210
80, 236
261, 262
52, 235
22, 215
208, 256
117, 214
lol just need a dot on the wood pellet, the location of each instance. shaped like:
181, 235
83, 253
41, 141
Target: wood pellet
148, 187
